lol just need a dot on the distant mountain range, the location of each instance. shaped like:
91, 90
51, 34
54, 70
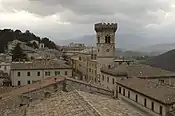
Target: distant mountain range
122, 42
127, 42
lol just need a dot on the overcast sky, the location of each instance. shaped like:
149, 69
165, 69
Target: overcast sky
64, 19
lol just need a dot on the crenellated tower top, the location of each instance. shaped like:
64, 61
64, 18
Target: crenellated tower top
100, 27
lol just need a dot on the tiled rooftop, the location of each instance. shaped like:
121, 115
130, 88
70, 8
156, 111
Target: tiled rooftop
10, 100
161, 92
39, 65
78, 103
138, 70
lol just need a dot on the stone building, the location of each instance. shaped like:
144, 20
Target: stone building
23, 73
153, 98
89, 61
5, 67
105, 43
73, 48
11, 45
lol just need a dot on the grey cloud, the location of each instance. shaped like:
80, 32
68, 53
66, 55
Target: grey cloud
132, 15
107, 7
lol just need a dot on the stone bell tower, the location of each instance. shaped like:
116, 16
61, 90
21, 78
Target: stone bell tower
105, 35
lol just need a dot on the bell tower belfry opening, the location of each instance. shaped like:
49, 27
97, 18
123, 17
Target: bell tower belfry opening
105, 34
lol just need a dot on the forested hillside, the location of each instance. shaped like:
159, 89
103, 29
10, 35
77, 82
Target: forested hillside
8, 35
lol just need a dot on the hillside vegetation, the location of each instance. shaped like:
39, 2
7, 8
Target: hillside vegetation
7, 35
164, 61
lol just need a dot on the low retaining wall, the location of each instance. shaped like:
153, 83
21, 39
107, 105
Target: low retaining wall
66, 85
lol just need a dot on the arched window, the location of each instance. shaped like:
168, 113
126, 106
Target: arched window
107, 39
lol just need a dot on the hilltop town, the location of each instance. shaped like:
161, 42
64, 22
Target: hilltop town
78, 80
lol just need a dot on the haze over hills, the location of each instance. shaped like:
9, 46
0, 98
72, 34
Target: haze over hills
161, 48
127, 42
122, 41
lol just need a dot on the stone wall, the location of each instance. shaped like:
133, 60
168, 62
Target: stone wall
67, 85
41, 93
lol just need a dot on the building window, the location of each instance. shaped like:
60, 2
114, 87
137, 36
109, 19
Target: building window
136, 98
128, 94
98, 39
119, 89
103, 78
152, 106
28, 82
65, 72
19, 74
160, 110
108, 79
57, 73
47, 73
123, 91
28, 73
107, 39
79, 58
19, 83
38, 73
145, 102
113, 81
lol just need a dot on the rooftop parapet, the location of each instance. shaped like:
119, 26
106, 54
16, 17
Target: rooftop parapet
100, 27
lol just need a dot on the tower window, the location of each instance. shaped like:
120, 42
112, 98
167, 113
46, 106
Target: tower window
98, 39
107, 39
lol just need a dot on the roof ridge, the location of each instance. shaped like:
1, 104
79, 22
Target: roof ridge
79, 93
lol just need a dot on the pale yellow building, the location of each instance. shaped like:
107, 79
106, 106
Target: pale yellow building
85, 65
23, 73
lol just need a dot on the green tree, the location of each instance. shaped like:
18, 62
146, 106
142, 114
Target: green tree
18, 54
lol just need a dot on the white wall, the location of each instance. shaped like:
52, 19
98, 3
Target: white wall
140, 103
111, 83
24, 78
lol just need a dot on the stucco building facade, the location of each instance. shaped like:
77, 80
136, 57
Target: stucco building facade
153, 98
23, 73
